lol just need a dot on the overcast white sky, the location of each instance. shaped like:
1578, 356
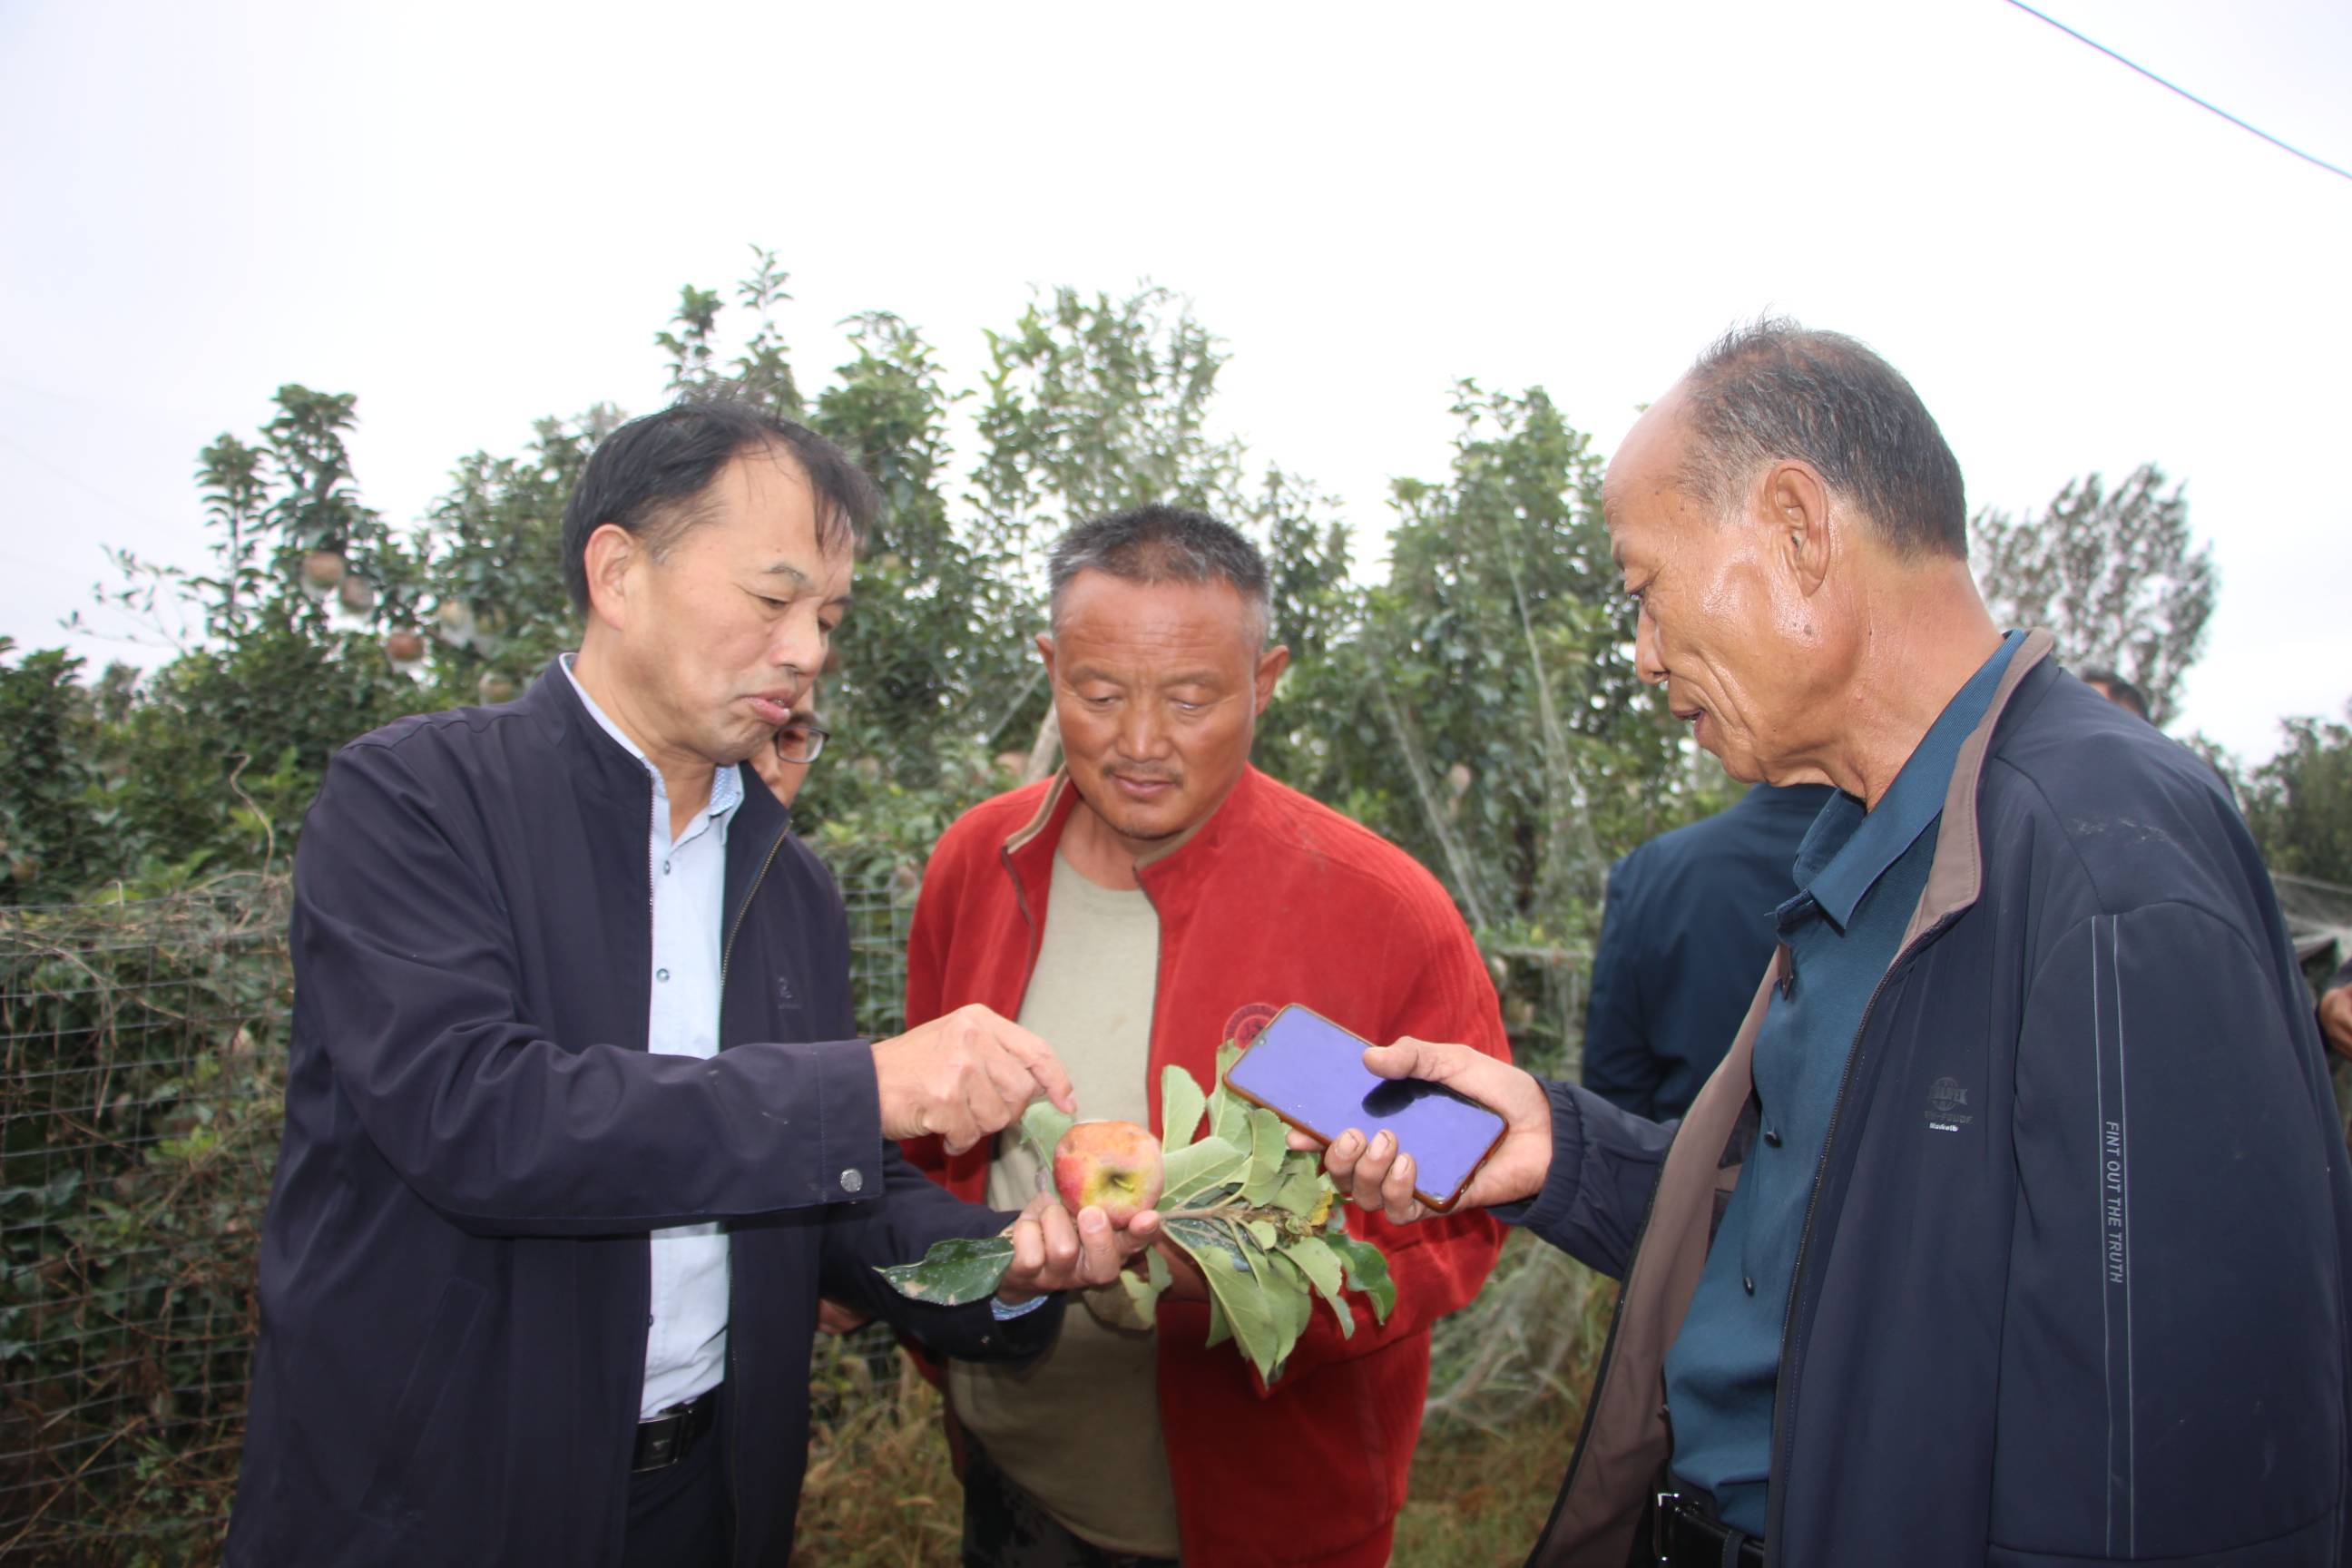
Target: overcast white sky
475, 215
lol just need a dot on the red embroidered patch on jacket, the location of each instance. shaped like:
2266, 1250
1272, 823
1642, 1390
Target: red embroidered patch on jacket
1247, 1020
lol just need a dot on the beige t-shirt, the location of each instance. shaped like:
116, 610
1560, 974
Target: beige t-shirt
1079, 1429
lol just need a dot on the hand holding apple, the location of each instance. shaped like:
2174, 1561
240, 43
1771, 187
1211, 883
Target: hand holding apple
1054, 1250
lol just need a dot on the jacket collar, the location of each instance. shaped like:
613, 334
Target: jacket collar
1956, 877
605, 767
1029, 850
613, 773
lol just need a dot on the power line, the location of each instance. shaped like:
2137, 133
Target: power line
2214, 109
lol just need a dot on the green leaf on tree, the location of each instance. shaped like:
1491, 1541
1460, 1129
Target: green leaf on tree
1181, 1106
953, 1272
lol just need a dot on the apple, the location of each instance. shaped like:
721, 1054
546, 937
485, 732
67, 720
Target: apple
495, 687
357, 594
322, 569
405, 647
1115, 1165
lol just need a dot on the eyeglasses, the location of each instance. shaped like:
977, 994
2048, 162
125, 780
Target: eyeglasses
801, 741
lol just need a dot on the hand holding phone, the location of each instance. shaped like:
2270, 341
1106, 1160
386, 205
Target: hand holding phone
1310, 1072
1371, 1172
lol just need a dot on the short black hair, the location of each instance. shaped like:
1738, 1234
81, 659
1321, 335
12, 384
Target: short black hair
1160, 543
651, 476
1773, 389
2119, 691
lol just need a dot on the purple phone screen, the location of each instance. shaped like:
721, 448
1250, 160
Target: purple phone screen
1313, 1071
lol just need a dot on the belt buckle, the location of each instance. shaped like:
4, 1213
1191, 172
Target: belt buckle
1659, 1544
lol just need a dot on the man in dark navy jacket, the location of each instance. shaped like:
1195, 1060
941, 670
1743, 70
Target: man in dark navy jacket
2015, 1230
576, 1128
1687, 928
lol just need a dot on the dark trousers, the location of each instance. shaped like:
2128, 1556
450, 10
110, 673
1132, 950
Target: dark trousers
680, 1516
1004, 1526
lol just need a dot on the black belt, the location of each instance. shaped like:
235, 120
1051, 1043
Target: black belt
1686, 1538
664, 1439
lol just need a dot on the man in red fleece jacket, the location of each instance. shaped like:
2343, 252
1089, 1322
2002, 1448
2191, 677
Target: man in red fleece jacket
1156, 898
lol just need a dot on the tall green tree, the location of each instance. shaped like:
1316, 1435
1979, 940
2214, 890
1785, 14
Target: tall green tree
2114, 575
2299, 803
1485, 712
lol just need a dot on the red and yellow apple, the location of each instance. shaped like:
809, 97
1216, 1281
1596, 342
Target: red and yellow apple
1113, 1164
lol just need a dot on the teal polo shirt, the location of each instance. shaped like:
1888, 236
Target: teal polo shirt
1859, 876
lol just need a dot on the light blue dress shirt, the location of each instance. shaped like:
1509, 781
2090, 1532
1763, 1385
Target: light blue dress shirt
686, 1336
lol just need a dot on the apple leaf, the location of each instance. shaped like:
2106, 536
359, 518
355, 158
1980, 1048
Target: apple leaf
1322, 1267
1236, 1284
1213, 1244
1198, 1167
1256, 1320
953, 1272
1043, 1125
1289, 1291
1143, 1291
1181, 1105
1228, 1112
1269, 1142
1368, 1271
1299, 1192
1262, 1232
1220, 1330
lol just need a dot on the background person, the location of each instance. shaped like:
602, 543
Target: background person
783, 765
1158, 897
2041, 1243
574, 1124
2117, 690
1685, 929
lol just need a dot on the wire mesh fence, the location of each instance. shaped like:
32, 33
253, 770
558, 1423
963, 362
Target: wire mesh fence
143, 1047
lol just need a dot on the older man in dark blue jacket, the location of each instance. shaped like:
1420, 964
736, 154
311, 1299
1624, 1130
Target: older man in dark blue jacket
575, 1130
2013, 1229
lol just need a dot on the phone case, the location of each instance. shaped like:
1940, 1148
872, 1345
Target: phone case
1435, 1204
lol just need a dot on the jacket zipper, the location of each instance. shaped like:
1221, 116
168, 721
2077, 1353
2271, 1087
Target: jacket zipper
727, 953
1784, 1401
735, 1417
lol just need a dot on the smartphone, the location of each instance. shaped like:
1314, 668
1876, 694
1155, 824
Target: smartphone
1310, 1072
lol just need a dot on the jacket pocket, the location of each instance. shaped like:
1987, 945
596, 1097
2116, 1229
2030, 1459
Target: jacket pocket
448, 1344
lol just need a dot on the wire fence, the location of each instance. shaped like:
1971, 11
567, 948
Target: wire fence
143, 1048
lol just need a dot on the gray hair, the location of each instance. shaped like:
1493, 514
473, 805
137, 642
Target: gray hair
1164, 544
1773, 389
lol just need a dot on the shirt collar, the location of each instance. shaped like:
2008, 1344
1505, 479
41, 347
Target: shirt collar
1848, 849
726, 784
